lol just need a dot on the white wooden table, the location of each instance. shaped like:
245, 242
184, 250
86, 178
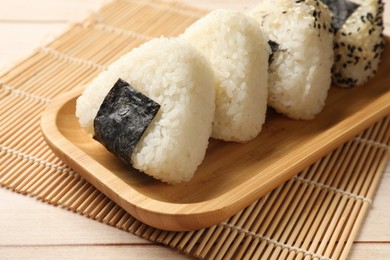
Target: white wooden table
33, 230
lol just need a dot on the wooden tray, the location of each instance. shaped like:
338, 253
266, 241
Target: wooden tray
232, 176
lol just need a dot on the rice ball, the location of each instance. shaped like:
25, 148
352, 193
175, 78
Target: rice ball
300, 70
238, 53
176, 76
359, 44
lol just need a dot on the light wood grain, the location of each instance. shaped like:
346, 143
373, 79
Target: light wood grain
33, 230
370, 250
58, 227
100, 252
47, 11
375, 230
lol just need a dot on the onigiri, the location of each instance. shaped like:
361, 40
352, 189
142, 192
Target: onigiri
238, 53
176, 83
300, 68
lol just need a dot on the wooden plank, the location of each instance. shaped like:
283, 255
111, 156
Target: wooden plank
31, 222
22, 38
47, 11
364, 251
93, 252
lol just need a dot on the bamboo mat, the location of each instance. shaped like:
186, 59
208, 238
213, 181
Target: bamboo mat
317, 214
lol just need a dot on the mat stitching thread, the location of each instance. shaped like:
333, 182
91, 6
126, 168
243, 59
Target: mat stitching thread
370, 142
275, 242
28, 157
69, 58
112, 29
166, 6
22, 93
328, 187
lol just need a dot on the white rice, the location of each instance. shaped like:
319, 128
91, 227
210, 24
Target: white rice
238, 53
300, 73
180, 79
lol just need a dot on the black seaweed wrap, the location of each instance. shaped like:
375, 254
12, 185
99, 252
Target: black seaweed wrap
274, 48
341, 10
122, 118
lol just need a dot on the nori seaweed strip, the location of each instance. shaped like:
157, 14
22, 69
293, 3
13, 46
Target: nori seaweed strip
122, 118
274, 48
341, 10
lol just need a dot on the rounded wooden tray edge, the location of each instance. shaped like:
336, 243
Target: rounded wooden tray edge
169, 216
182, 216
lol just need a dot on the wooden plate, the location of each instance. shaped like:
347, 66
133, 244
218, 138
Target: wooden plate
232, 176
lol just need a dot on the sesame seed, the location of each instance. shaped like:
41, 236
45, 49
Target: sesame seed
356, 60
